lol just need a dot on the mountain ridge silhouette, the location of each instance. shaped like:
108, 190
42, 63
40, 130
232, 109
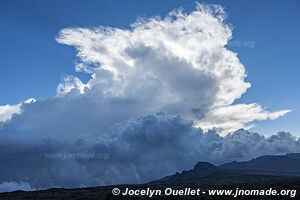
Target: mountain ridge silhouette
287, 165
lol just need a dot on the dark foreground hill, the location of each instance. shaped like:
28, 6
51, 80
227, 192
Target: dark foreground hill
276, 172
105, 193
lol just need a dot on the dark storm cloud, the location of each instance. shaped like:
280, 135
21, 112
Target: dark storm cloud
139, 150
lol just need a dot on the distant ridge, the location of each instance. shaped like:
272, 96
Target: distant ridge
280, 165
270, 165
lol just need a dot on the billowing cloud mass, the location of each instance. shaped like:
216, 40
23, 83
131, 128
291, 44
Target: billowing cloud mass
130, 152
152, 88
178, 64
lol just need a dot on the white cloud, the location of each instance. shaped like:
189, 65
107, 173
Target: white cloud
230, 118
7, 111
69, 84
178, 64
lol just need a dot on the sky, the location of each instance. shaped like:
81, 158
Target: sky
265, 36
142, 82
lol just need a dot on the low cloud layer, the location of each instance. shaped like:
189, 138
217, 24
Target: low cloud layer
129, 153
178, 67
12, 186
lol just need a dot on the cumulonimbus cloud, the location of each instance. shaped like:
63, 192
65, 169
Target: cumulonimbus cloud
179, 65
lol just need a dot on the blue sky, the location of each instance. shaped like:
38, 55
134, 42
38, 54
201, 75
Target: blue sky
29, 51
